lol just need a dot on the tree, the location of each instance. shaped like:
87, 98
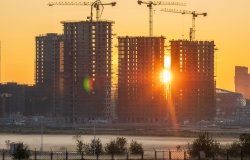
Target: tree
121, 143
79, 143
245, 140
234, 149
21, 152
135, 147
245, 143
111, 147
79, 146
94, 147
117, 146
204, 143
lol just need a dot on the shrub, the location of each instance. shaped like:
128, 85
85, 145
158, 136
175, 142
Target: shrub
245, 143
79, 146
94, 146
204, 143
135, 147
21, 152
117, 146
111, 147
234, 149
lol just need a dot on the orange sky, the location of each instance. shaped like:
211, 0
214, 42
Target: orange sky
227, 23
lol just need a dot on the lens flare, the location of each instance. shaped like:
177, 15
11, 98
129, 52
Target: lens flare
171, 111
87, 85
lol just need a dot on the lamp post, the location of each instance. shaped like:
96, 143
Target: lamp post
94, 150
41, 149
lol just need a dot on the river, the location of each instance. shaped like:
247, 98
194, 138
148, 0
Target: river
63, 142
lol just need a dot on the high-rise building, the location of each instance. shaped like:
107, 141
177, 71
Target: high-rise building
242, 81
48, 76
193, 84
87, 72
141, 97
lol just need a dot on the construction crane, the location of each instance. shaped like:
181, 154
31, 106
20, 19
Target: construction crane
98, 5
194, 15
150, 5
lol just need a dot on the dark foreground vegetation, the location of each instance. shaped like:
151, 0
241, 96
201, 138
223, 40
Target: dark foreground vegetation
204, 147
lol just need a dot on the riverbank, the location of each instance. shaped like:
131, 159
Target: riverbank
122, 131
61, 142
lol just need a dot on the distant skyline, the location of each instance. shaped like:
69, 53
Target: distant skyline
227, 24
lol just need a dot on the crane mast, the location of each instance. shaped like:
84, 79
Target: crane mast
194, 15
150, 5
97, 4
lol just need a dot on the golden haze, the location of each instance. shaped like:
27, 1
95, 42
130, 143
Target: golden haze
227, 23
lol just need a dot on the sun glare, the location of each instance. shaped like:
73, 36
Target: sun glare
167, 62
166, 76
166, 73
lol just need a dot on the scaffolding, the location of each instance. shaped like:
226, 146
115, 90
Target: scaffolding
140, 92
193, 86
87, 57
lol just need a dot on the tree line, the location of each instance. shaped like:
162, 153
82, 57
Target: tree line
203, 143
211, 148
115, 146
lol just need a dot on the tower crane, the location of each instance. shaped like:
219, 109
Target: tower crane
98, 5
150, 5
194, 15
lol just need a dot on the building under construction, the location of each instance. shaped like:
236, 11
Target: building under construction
87, 70
193, 84
48, 77
141, 97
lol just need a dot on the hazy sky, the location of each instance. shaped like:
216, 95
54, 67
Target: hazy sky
227, 23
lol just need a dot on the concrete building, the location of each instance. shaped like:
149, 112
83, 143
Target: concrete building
243, 116
87, 70
12, 98
228, 103
242, 81
48, 77
193, 83
141, 97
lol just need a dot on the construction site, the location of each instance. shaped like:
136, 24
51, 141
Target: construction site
76, 75
87, 70
193, 85
141, 96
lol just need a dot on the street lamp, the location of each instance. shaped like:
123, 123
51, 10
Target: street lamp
41, 120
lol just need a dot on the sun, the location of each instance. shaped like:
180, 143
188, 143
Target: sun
166, 76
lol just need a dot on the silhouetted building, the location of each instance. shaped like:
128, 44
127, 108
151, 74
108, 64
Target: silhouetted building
141, 97
227, 103
242, 81
12, 98
193, 84
87, 62
47, 94
243, 115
